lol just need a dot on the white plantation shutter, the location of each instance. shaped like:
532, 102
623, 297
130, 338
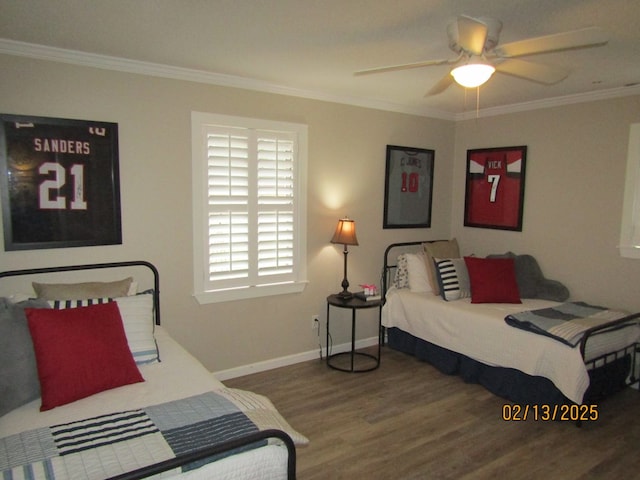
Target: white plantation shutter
275, 227
228, 199
254, 223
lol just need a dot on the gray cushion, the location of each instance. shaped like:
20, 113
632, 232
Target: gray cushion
19, 382
531, 281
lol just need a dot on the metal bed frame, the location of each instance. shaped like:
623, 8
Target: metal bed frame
203, 453
604, 360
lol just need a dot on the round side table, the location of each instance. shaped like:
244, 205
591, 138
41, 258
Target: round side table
354, 303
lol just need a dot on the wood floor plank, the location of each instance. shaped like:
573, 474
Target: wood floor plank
406, 420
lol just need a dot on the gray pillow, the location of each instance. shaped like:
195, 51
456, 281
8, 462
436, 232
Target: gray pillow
19, 382
78, 291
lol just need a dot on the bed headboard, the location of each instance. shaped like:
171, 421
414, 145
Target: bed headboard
390, 255
98, 266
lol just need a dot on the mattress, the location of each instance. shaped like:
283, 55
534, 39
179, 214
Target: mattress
480, 332
179, 375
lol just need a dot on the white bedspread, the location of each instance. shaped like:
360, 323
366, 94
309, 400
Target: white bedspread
480, 332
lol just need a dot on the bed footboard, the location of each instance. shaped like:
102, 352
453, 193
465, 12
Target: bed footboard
622, 363
624, 322
216, 450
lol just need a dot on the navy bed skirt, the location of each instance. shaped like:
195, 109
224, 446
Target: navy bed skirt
507, 383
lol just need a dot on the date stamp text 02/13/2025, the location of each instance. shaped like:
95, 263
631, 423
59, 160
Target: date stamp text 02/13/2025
546, 413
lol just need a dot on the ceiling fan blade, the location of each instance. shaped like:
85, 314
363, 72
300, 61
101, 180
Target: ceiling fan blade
548, 74
406, 66
585, 37
472, 34
442, 84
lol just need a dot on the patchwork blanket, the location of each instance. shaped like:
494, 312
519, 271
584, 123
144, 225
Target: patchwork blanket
108, 445
566, 323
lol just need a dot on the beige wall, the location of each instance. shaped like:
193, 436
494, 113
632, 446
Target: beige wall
346, 177
573, 198
575, 172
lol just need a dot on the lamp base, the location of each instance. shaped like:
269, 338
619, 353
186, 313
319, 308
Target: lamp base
344, 295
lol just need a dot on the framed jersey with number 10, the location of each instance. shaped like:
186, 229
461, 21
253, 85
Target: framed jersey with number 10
408, 187
495, 188
60, 182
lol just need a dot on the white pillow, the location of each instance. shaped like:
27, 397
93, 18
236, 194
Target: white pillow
137, 317
418, 275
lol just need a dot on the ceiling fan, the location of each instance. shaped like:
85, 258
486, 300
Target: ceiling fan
476, 43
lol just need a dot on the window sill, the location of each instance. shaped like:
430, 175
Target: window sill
233, 294
629, 251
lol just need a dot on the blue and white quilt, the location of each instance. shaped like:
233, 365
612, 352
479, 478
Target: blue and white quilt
566, 322
108, 445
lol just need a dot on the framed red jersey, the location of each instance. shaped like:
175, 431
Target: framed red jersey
494, 195
60, 182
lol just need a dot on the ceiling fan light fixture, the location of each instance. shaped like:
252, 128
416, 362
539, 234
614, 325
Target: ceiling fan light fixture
472, 75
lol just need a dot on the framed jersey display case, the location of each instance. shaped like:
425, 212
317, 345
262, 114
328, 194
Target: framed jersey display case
408, 188
60, 182
494, 195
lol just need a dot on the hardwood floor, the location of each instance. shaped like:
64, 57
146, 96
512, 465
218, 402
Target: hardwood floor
406, 420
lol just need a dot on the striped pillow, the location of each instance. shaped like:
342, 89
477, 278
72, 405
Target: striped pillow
453, 278
137, 317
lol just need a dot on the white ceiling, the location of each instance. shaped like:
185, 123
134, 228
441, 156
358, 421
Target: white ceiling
312, 47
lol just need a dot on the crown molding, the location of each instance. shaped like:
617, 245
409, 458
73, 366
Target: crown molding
552, 102
75, 57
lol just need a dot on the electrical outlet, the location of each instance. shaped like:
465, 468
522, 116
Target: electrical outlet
315, 322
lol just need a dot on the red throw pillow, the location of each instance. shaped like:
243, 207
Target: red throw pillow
493, 280
80, 352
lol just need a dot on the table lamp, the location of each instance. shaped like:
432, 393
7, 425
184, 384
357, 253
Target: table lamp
346, 235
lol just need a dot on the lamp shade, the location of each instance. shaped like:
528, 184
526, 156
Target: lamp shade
472, 74
345, 232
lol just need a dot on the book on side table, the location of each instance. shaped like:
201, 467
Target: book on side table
368, 298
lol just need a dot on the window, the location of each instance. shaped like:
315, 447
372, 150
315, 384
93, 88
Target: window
249, 182
630, 232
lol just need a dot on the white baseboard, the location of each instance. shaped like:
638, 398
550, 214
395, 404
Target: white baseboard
223, 375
